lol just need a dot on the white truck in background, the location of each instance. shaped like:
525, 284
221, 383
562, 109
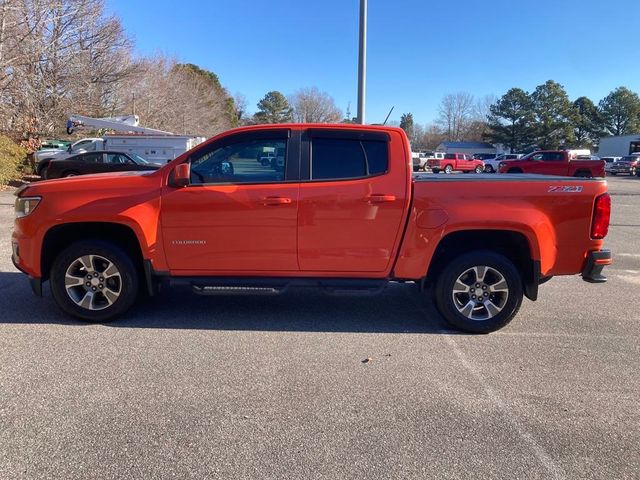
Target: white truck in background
155, 146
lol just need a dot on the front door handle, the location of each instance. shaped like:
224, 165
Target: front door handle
275, 201
378, 198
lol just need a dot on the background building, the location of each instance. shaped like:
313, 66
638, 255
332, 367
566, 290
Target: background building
619, 146
467, 147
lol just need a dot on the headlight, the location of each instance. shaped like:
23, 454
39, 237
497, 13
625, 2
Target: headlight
26, 205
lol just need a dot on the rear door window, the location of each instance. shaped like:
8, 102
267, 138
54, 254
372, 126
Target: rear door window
338, 158
552, 157
92, 158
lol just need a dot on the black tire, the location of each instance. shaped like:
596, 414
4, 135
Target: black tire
582, 174
489, 169
70, 173
514, 170
613, 173
127, 282
448, 302
632, 172
638, 173
479, 169
43, 173
435, 170
42, 167
448, 169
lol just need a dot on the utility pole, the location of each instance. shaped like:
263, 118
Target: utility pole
362, 60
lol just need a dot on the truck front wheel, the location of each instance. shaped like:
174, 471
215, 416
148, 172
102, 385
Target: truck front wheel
479, 292
94, 280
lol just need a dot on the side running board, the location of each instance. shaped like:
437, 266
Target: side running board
275, 286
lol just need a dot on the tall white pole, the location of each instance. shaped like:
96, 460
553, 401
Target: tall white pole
362, 60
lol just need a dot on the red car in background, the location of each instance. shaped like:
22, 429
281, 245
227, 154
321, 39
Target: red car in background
456, 162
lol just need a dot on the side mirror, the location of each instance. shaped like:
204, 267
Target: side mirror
182, 175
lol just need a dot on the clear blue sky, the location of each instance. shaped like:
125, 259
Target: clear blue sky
418, 50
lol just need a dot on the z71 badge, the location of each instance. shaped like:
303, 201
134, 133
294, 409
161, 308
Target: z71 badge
565, 189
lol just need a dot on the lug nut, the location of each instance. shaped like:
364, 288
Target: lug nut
486, 294
95, 274
101, 279
473, 290
93, 288
477, 285
88, 284
100, 286
473, 296
484, 287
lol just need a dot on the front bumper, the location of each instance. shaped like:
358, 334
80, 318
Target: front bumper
596, 261
35, 282
625, 169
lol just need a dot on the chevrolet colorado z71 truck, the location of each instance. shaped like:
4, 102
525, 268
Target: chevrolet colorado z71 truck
554, 162
344, 214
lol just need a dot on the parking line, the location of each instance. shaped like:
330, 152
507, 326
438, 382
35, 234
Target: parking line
555, 471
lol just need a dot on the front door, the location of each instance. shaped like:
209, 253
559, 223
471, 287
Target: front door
352, 202
238, 214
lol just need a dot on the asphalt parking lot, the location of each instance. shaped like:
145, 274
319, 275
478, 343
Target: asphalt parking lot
246, 388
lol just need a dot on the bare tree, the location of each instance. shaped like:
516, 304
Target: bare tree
310, 105
57, 57
455, 113
241, 105
176, 97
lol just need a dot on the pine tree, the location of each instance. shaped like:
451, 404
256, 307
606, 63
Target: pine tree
274, 108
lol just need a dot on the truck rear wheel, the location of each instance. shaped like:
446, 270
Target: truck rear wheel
94, 281
448, 169
479, 292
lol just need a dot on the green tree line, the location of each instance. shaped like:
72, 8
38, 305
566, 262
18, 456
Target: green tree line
546, 118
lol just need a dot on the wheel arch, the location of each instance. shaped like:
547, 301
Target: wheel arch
511, 243
60, 236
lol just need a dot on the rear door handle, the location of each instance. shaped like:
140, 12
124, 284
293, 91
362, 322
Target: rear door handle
378, 198
275, 201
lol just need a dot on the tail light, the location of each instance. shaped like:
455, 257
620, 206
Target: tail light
601, 216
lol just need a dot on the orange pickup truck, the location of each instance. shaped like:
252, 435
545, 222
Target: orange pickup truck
343, 213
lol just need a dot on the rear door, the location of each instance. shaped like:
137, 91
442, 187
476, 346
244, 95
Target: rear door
352, 200
88, 163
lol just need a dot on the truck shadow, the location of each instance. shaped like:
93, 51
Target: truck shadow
399, 309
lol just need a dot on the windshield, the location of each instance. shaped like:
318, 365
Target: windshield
138, 159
